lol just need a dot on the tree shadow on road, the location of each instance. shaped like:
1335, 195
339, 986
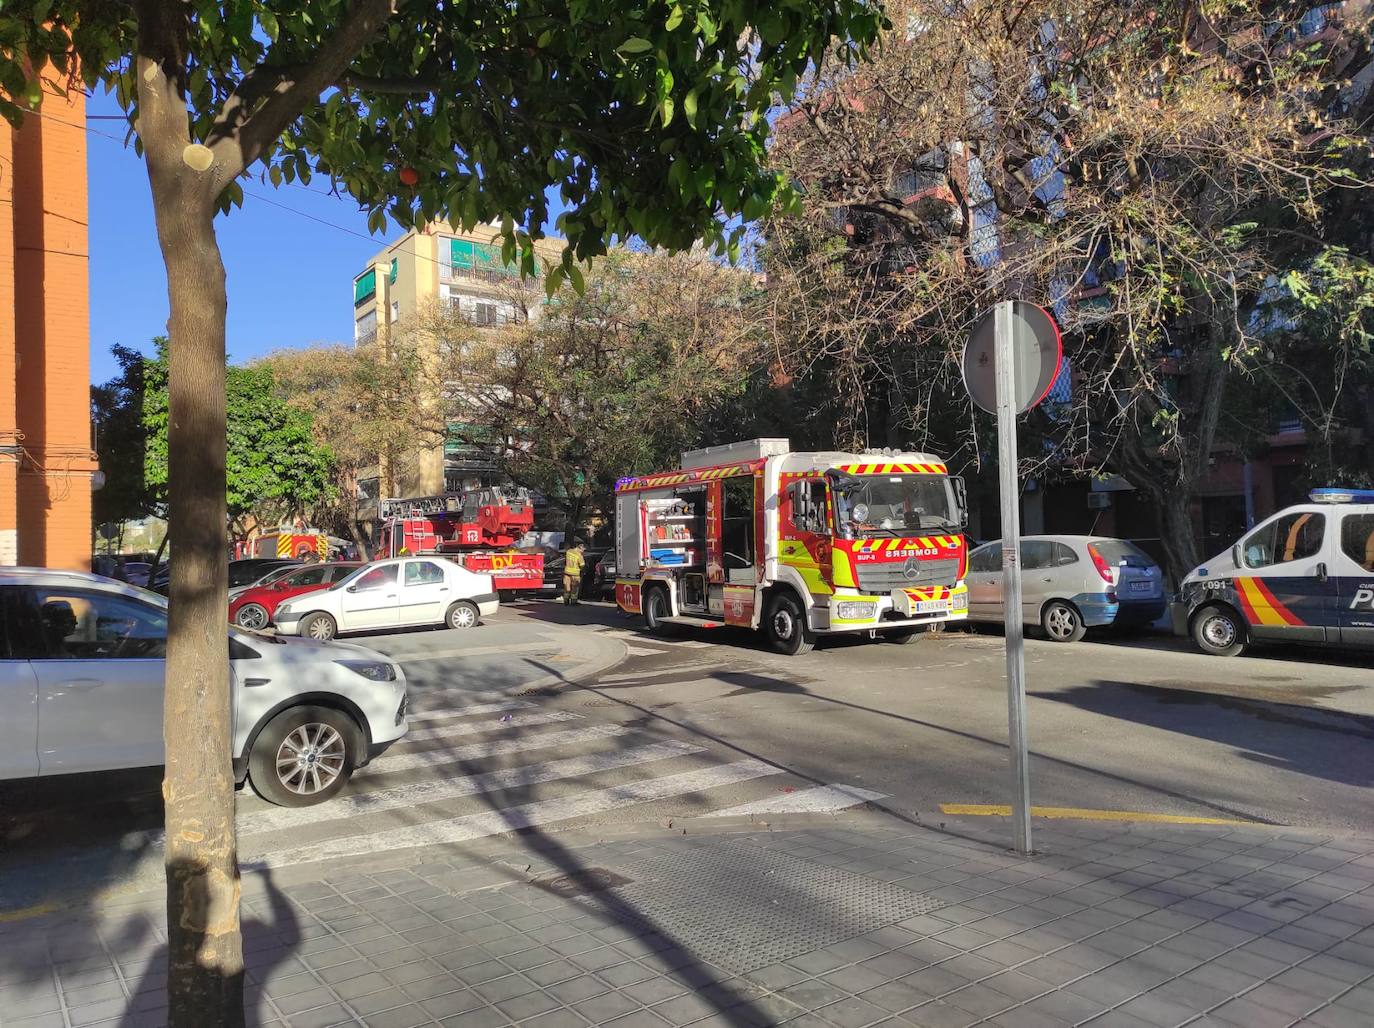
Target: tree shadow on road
1328, 744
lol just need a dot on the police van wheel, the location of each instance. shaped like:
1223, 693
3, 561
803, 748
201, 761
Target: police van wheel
786, 627
655, 610
1218, 631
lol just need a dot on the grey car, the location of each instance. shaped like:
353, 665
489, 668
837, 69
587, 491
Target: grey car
1070, 583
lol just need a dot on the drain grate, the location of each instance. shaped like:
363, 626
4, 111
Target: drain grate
744, 908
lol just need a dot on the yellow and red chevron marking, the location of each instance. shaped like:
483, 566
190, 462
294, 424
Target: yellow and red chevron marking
894, 469
284, 546
696, 475
1261, 607
928, 542
934, 592
322, 546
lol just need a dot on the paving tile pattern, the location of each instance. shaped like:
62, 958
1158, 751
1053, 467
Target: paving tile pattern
1110, 925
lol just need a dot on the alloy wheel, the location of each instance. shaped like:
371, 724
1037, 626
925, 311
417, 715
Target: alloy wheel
310, 758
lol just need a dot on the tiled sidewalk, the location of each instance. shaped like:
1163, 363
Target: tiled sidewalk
852, 922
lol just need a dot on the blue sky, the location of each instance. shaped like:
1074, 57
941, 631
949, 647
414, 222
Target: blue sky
290, 278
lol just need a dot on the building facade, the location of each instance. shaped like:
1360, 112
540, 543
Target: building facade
441, 269
46, 456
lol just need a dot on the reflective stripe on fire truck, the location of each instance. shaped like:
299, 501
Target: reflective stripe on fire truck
283, 546
894, 469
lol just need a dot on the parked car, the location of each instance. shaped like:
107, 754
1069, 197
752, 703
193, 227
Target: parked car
402, 592
81, 690
602, 584
242, 573
252, 607
1070, 583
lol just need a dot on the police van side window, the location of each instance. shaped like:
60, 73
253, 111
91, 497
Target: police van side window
1357, 539
1295, 536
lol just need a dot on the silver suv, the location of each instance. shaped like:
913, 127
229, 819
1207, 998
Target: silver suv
81, 689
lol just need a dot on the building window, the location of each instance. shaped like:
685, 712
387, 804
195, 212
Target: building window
482, 312
365, 327
395, 310
365, 287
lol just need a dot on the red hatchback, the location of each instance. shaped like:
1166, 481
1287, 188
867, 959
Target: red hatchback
254, 607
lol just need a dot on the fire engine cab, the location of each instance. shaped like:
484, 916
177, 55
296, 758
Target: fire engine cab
478, 529
795, 544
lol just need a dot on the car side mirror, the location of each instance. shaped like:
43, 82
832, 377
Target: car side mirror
1237, 557
961, 498
352, 589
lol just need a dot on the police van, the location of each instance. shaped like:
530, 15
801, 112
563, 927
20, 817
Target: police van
1305, 575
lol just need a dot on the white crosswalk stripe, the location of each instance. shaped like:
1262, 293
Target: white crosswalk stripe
409, 761
425, 717
357, 804
510, 819
473, 727
820, 800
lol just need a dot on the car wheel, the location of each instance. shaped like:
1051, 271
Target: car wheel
902, 636
304, 756
1062, 623
463, 614
1219, 632
320, 627
655, 610
252, 616
786, 627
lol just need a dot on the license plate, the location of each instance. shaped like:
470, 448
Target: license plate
931, 606
1142, 587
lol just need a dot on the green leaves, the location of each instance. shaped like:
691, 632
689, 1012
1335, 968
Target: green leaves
635, 45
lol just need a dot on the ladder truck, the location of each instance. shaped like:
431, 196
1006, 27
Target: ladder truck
478, 529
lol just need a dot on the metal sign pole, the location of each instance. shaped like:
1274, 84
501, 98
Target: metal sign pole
1011, 578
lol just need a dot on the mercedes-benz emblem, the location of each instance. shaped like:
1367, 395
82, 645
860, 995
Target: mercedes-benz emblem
911, 570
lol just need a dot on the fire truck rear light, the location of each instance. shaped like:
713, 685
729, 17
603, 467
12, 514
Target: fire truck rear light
1103, 568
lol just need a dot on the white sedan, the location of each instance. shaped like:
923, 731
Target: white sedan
81, 690
403, 592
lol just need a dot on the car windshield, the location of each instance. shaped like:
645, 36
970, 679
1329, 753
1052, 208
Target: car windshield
351, 576
891, 505
277, 574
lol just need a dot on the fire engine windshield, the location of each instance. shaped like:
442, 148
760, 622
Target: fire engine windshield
892, 505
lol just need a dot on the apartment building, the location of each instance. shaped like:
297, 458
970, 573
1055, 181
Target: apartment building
436, 268
443, 265
46, 460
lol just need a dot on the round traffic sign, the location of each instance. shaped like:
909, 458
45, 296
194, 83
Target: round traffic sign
1036, 352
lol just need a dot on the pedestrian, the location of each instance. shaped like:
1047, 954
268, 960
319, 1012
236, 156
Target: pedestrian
572, 573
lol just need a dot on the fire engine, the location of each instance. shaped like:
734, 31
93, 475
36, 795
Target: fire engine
795, 544
478, 529
306, 545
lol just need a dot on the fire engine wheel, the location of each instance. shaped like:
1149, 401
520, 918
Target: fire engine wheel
786, 627
1218, 631
1062, 623
655, 610
252, 616
901, 636
462, 615
320, 627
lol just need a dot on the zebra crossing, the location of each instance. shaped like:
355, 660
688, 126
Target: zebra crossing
492, 765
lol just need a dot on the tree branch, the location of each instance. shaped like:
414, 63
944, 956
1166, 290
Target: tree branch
239, 138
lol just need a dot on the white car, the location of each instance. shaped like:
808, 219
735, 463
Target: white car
81, 690
403, 592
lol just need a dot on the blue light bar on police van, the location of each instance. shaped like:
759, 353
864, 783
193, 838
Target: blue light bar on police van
1342, 495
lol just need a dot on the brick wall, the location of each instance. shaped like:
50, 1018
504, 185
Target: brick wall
45, 339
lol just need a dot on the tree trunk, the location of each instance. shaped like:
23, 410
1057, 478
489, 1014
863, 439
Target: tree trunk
1176, 532
204, 949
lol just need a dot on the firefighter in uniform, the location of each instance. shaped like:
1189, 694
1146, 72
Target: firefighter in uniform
572, 573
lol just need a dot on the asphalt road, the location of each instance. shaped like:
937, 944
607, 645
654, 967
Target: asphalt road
1122, 724
513, 727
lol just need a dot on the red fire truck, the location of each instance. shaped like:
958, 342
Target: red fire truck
479, 529
299, 544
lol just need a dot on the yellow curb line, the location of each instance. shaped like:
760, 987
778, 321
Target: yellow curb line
1081, 814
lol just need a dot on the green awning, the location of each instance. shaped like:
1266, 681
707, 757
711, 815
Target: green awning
470, 256
365, 287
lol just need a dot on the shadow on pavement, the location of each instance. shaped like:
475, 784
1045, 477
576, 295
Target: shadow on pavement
1259, 730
